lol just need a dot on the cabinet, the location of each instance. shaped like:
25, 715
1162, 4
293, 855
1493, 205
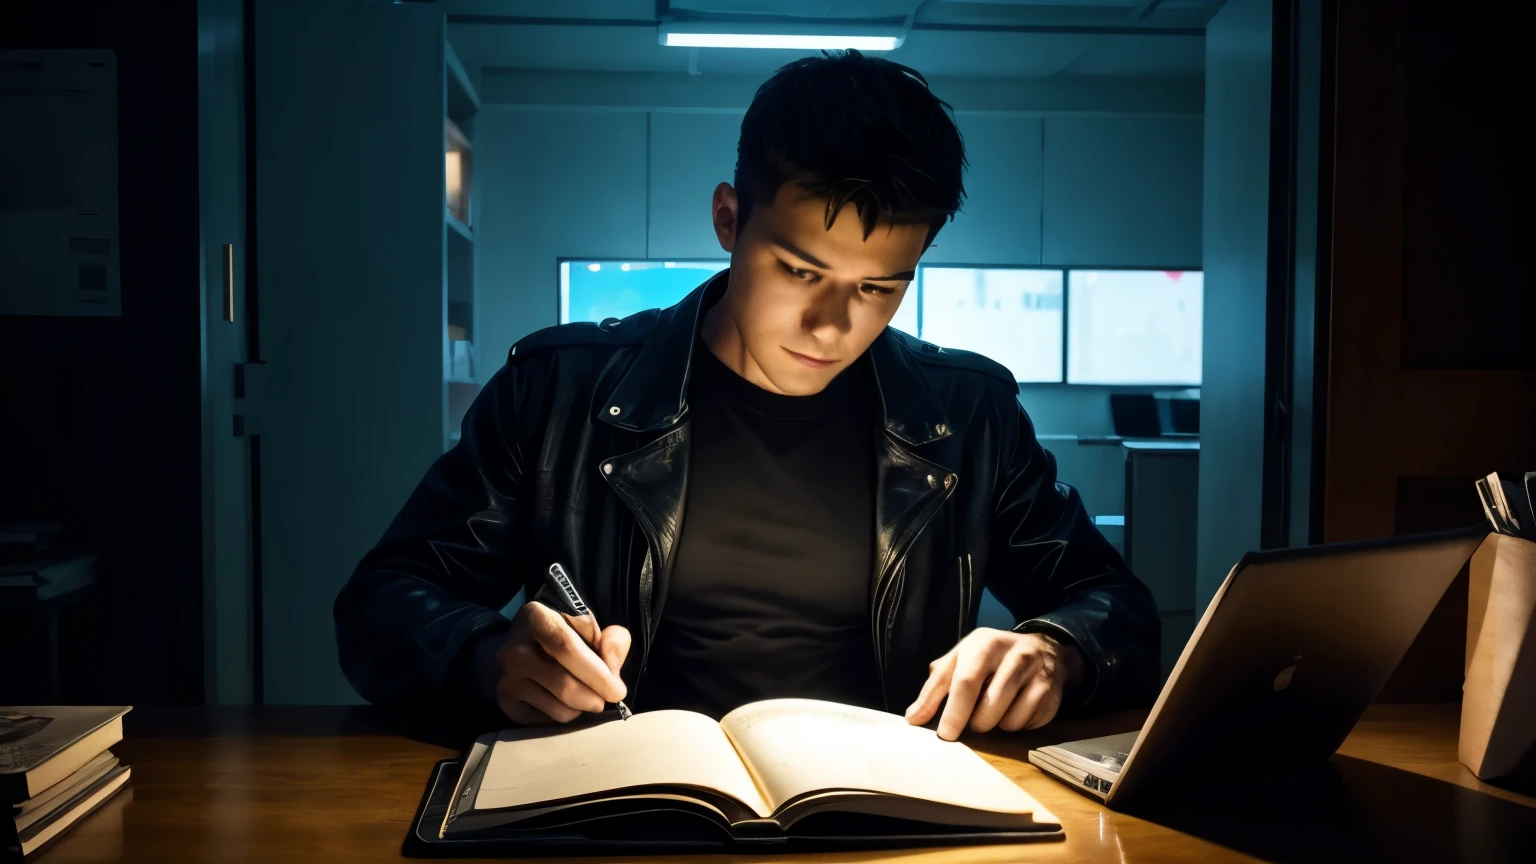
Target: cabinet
461, 369
1162, 484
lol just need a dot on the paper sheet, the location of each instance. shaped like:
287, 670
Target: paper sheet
528, 766
796, 746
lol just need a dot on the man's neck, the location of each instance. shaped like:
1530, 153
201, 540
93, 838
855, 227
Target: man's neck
723, 338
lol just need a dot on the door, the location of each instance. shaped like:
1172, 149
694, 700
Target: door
1431, 378
226, 465
349, 222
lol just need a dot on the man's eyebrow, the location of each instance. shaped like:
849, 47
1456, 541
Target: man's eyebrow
904, 276
798, 252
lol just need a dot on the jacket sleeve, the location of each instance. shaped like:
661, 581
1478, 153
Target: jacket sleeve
438, 578
1058, 576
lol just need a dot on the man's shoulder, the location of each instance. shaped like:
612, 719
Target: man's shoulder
610, 334
952, 363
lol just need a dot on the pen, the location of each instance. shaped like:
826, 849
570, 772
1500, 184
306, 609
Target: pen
570, 599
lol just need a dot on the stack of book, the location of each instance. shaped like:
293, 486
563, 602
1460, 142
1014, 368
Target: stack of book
28, 541
1510, 503
46, 579
55, 768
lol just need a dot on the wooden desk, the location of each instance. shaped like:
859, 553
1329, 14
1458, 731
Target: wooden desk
338, 785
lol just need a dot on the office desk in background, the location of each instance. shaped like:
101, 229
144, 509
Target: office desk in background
1143, 494
1162, 513
341, 785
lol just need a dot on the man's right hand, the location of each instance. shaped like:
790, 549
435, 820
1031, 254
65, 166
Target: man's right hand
550, 667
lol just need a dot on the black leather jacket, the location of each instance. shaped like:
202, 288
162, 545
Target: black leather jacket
577, 451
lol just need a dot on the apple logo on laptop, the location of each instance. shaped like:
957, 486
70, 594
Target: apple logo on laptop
1283, 680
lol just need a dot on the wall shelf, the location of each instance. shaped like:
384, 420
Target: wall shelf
460, 293
463, 101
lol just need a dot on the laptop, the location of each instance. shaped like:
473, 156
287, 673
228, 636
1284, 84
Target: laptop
1293, 647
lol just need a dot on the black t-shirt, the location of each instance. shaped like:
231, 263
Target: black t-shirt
770, 590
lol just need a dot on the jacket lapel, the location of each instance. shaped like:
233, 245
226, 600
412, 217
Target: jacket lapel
653, 394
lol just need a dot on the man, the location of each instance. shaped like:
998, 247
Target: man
762, 491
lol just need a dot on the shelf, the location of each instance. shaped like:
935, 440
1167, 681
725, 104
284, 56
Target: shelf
458, 227
463, 101
459, 115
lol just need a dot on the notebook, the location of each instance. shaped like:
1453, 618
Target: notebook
770, 772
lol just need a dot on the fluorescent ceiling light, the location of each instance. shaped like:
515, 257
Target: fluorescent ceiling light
779, 40
803, 36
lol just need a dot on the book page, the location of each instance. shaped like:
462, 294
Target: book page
796, 746
550, 763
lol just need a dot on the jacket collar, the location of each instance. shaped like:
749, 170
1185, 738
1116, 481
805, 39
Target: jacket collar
653, 394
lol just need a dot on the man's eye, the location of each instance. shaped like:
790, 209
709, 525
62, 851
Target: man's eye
802, 275
876, 289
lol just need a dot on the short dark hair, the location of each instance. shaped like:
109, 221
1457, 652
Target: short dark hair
853, 128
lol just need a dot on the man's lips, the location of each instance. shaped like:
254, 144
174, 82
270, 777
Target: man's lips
809, 360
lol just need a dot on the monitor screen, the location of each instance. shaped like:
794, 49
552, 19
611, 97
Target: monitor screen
1134, 326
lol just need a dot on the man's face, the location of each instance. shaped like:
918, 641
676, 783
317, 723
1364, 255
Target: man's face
803, 301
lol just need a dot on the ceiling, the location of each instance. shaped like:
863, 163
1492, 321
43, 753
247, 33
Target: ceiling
974, 39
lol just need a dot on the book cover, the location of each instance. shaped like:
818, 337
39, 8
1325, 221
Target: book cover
30, 736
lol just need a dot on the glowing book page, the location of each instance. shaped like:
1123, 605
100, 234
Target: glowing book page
799, 746
674, 748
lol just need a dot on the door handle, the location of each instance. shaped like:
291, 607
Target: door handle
229, 282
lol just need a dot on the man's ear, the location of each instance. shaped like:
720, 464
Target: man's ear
723, 210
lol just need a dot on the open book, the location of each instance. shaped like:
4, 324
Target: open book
767, 771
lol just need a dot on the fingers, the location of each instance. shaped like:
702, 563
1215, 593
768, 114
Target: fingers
971, 670
1001, 691
934, 689
613, 647
1050, 703
584, 625
557, 681
554, 633
1040, 698
990, 681
533, 700
530, 675
524, 714
1035, 705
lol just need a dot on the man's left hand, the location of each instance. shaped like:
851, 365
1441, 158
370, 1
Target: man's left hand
997, 678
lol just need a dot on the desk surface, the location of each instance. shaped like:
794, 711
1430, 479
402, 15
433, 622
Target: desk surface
341, 784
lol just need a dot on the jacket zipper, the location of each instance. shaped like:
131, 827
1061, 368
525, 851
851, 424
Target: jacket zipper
960, 623
960, 563
890, 615
893, 591
643, 593
645, 618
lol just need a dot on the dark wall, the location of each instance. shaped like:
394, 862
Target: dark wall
100, 421
1468, 302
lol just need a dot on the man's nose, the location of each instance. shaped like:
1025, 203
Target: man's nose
828, 316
